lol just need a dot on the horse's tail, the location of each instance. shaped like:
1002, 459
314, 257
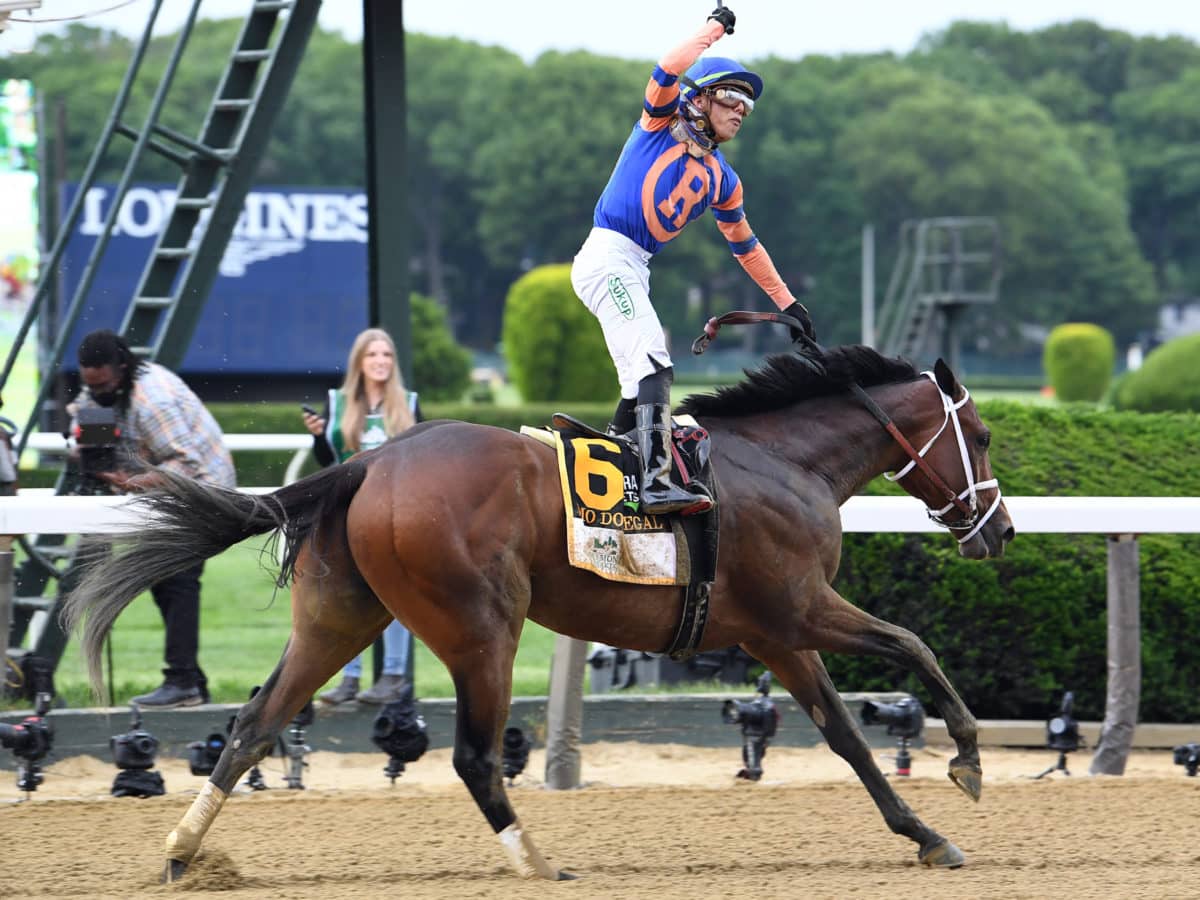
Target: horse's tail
188, 522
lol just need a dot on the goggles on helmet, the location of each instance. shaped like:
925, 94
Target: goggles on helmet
730, 97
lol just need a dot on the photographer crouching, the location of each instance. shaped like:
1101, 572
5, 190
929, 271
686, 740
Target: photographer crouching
157, 421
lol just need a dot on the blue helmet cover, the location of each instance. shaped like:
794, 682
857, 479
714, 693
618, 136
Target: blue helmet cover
712, 70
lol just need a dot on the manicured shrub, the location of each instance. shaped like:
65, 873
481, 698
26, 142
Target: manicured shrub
441, 367
1169, 379
554, 346
1078, 360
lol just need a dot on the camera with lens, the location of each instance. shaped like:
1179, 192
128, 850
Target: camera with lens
1062, 731
32, 739
400, 733
203, 755
904, 719
759, 719
136, 748
133, 753
514, 752
98, 437
1188, 756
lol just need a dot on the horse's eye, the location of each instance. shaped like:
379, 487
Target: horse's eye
984, 440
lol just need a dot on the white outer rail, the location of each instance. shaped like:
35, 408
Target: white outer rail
38, 511
54, 443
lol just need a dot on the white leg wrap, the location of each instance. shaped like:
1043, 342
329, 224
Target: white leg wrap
184, 841
523, 855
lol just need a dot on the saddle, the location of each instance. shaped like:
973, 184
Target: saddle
608, 535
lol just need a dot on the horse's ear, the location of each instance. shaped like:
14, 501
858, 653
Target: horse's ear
945, 378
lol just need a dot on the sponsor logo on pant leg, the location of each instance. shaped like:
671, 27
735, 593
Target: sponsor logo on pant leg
620, 296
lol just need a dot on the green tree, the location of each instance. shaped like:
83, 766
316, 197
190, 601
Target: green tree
1158, 130
1005, 157
567, 117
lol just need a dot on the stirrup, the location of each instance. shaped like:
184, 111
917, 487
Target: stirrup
683, 502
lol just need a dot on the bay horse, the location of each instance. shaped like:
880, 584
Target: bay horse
458, 531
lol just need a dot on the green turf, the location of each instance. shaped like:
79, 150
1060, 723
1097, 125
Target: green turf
244, 626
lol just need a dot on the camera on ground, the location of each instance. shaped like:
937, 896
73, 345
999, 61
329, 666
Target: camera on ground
759, 719
1062, 731
400, 733
1188, 756
904, 719
32, 739
514, 752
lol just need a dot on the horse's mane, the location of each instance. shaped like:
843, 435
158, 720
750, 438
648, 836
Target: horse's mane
785, 378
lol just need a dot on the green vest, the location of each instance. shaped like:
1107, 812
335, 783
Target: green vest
374, 432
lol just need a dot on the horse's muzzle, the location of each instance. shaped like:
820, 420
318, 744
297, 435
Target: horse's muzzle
991, 539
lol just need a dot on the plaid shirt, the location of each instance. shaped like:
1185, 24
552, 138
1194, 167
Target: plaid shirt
167, 425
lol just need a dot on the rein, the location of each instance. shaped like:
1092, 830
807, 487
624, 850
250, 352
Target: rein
972, 519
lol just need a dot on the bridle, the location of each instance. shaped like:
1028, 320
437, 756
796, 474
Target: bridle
966, 501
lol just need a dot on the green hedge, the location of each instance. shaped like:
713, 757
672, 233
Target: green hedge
1078, 360
257, 468
1012, 634
1169, 379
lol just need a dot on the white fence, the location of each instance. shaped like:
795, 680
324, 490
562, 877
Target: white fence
54, 444
40, 512
1121, 519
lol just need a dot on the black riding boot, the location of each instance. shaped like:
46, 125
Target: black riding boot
622, 421
659, 495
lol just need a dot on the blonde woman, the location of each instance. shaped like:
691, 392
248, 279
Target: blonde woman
371, 406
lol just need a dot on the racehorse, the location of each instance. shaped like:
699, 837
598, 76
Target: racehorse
458, 531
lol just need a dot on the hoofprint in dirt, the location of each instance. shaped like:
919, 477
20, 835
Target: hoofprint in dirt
652, 820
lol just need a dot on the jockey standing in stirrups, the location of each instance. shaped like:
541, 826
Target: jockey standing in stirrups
669, 172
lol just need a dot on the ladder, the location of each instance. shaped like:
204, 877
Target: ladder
941, 264
217, 168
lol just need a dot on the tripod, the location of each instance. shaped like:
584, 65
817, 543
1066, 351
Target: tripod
1060, 766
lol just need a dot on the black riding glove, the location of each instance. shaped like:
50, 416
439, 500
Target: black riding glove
725, 16
799, 311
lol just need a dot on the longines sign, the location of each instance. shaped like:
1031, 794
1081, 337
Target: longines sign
292, 279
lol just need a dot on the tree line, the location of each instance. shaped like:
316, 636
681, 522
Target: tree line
1083, 141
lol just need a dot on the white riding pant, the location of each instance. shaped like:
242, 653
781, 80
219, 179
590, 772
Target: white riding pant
611, 275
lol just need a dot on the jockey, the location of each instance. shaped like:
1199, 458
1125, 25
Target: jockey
669, 172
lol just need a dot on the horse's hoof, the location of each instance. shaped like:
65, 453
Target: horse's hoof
565, 876
173, 871
942, 854
969, 779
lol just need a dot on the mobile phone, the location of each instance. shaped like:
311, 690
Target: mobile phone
308, 409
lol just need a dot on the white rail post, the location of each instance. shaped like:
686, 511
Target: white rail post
564, 713
6, 595
1124, 657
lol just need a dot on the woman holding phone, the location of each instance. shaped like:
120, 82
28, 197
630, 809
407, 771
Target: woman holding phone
371, 406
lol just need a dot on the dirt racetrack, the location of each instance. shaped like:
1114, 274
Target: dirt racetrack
661, 821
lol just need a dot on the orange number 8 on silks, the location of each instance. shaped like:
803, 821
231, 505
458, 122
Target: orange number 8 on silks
589, 467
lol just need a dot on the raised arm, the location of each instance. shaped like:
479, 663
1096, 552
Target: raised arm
662, 91
747, 250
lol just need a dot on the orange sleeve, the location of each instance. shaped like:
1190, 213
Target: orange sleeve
758, 265
677, 61
662, 91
